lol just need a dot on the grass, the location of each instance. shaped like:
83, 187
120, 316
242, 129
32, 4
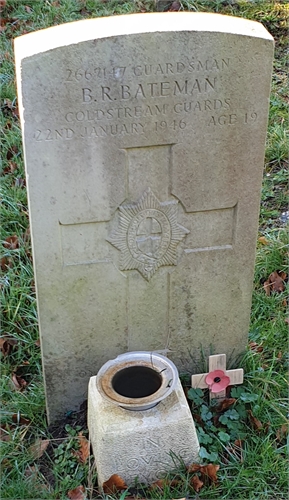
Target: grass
261, 472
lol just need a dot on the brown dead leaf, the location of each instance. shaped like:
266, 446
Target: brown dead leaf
37, 343
198, 418
18, 419
210, 471
282, 433
6, 262
196, 483
38, 448
263, 240
6, 344
225, 404
267, 287
18, 382
255, 347
256, 424
207, 471
30, 471
83, 453
114, 484
12, 152
11, 242
276, 282
193, 468
2, 4
286, 320
10, 169
77, 494
28, 9
161, 483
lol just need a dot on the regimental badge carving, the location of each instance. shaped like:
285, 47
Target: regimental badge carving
148, 234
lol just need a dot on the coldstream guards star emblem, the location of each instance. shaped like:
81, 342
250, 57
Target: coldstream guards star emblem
148, 234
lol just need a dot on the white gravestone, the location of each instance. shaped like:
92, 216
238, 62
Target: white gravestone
144, 142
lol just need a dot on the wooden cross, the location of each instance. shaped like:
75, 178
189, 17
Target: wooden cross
218, 362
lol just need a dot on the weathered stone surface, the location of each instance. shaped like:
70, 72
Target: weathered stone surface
140, 443
144, 141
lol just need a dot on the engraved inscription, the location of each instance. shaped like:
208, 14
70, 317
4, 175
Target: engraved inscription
148, 234
167, 68
120, 101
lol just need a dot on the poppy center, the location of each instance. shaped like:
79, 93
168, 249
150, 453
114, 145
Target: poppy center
217, 380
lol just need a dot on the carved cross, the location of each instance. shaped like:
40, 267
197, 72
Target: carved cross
218, 362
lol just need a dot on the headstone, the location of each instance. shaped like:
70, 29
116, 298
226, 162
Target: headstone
144, 143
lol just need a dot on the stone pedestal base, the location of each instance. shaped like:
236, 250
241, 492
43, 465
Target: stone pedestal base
141, 444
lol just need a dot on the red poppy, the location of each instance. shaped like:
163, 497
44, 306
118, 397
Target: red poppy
217, 381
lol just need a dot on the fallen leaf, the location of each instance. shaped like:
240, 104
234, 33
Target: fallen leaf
11, 242
37, 343
196, 483
286, 320
18, 419
77, 494
6, 262
225, 404
276, 282
193, 468
19, 382
39, 447
207, 471
281, 433
210, 471
161, 483
267, 287
2, 4
255, 347
7, 344
197, 418
28, 9
256, 424
83, 453
12, 152
114, 484
12, 166
30, 471
263, 240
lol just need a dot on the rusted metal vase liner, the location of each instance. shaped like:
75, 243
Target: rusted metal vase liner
137, 380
